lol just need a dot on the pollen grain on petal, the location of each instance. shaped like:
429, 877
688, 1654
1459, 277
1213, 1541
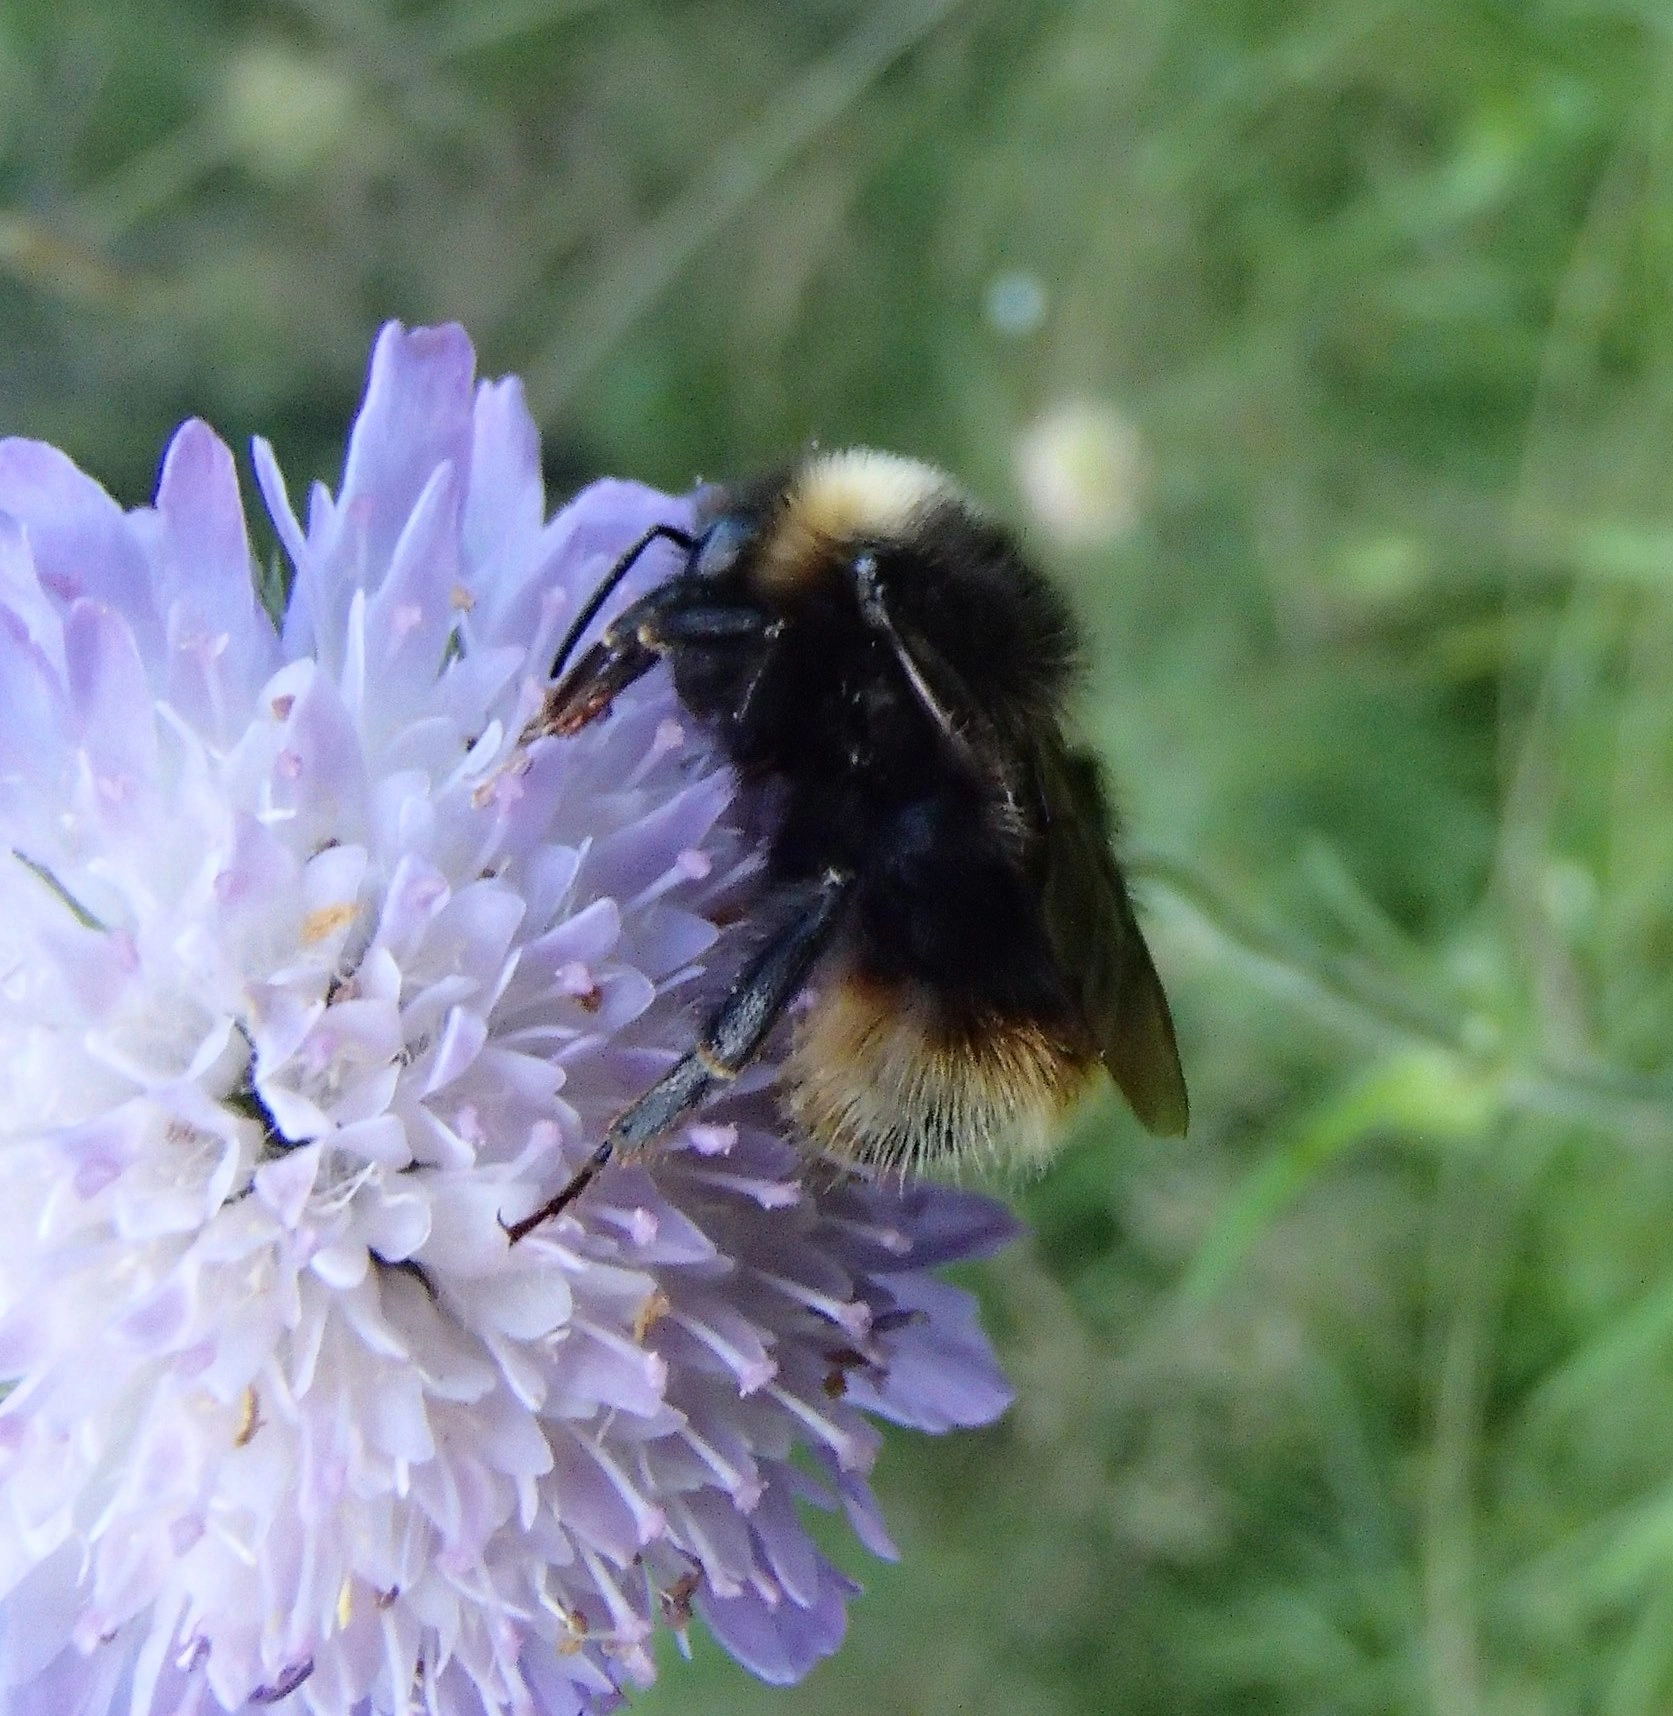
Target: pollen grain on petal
323, 923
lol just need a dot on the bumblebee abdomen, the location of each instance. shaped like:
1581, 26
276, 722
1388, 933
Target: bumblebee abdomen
880, 1073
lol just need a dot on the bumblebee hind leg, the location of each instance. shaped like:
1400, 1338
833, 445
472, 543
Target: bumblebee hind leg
730, 1041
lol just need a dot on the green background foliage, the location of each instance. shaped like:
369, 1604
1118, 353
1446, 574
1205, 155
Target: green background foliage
1360, 1399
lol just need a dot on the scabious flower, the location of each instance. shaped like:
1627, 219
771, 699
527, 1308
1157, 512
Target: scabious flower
311, 976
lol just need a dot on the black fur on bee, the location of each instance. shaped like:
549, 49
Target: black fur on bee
887, 672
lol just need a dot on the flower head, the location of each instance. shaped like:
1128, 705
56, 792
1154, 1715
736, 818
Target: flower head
311, 977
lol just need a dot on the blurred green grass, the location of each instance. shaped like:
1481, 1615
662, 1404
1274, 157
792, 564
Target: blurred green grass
1359, 1399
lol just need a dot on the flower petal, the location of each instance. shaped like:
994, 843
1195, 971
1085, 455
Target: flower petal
317, 978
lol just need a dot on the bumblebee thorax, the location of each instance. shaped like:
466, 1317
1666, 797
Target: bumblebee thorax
834, 502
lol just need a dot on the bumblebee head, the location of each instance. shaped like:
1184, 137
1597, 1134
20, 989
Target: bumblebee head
839, 562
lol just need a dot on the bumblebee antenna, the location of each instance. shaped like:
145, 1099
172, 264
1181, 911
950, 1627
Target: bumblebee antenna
589, 612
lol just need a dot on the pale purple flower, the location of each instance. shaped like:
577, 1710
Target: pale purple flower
309, 976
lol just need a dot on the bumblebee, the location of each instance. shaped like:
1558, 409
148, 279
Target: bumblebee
887, 675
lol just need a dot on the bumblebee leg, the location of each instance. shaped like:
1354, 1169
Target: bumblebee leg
665, 532
704, 623
730, 1040
938, 703
672, 616
608, 668
940, 689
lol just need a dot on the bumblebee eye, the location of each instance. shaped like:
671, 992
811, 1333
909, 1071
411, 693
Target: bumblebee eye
718, 552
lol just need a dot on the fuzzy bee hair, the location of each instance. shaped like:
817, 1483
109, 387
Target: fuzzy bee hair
887, 672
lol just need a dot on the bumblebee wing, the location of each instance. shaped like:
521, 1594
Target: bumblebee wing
1097, 942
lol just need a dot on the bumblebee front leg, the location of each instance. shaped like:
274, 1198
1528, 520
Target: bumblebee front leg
674, 616
729, 1042
682, 539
